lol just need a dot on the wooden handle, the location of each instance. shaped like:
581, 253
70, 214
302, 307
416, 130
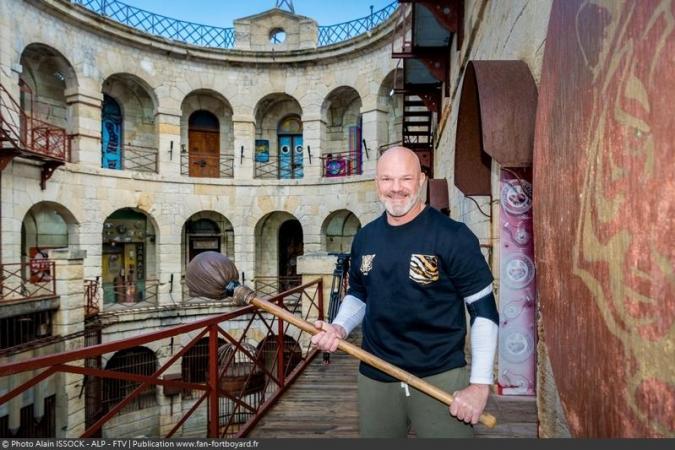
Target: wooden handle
357, 352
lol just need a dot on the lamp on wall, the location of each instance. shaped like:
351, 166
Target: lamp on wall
241, 155
171, 151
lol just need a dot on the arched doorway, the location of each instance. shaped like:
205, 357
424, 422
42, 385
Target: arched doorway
111, 134
291, 158
203, 235
290, 247
204, 144
128, 258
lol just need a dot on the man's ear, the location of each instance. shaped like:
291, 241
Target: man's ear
423, 178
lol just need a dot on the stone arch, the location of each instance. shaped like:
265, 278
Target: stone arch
341, 117
391, 104
47, 225
134, 138
138, 361
129, 262
338, 231
270, 258
215, 103
46, 81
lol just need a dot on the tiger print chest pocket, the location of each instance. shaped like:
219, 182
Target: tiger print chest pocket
423, 269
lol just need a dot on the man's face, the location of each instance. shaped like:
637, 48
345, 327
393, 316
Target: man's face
399, 181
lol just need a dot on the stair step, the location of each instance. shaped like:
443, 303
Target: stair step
413, 103
417, 114
416, 133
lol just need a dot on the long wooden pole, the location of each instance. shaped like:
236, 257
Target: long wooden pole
357, 352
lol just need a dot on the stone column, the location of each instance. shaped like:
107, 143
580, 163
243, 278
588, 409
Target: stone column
84, 115
313, 135
69, 319
244, 136
375, 134
169, 142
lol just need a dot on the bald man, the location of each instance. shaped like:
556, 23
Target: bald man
413, 270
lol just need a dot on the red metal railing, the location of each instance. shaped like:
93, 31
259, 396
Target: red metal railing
342, 164
27, 281
29, 134
241, 382
92, 297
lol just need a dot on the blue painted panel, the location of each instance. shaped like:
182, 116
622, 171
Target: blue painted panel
111, 135
285, 157
298, 157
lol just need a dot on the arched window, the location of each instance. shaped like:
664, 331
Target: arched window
138, 361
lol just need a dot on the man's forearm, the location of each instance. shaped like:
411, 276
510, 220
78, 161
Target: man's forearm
350, 315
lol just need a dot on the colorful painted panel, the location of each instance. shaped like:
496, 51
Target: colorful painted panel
517, 288
262, 150
604, 199
298, 157
111, 134
285, 157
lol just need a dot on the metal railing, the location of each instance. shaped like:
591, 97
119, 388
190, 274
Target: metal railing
206, 165
341, 164
162, 26
219, 37
241, 383
130, 293
140, 158
29, 134
92, 297
27, 281
271, 286
333, 34
276, 168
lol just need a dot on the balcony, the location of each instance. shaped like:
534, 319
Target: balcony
129, 293
24, 136
206, 165
278, 168
141, 159
341, 164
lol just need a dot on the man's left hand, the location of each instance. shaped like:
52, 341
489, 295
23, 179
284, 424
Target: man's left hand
470, 402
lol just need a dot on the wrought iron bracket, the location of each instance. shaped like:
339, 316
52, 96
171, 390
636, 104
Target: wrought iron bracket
47, 171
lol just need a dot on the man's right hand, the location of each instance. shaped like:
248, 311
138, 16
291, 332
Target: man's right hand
328, 338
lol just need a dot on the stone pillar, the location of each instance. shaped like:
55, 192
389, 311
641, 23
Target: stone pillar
169, 142
313, 135
169, 263
375, 134
67, 320
244, 136
84, 111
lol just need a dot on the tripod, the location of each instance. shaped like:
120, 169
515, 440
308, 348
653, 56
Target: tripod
338, 289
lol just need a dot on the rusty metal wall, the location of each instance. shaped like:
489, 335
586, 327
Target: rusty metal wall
604, 196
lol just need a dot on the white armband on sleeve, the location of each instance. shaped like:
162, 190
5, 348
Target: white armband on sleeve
483, 348
350, 314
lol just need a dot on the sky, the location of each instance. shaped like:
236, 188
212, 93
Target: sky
221, 13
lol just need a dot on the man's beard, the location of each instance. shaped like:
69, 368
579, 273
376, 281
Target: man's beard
400, 209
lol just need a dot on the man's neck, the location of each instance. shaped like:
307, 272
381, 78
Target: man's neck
407, 217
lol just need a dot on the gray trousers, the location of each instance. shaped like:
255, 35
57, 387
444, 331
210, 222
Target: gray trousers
386, 411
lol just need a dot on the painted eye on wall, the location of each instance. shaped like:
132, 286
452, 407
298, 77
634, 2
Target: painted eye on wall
285, 149
298, 149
